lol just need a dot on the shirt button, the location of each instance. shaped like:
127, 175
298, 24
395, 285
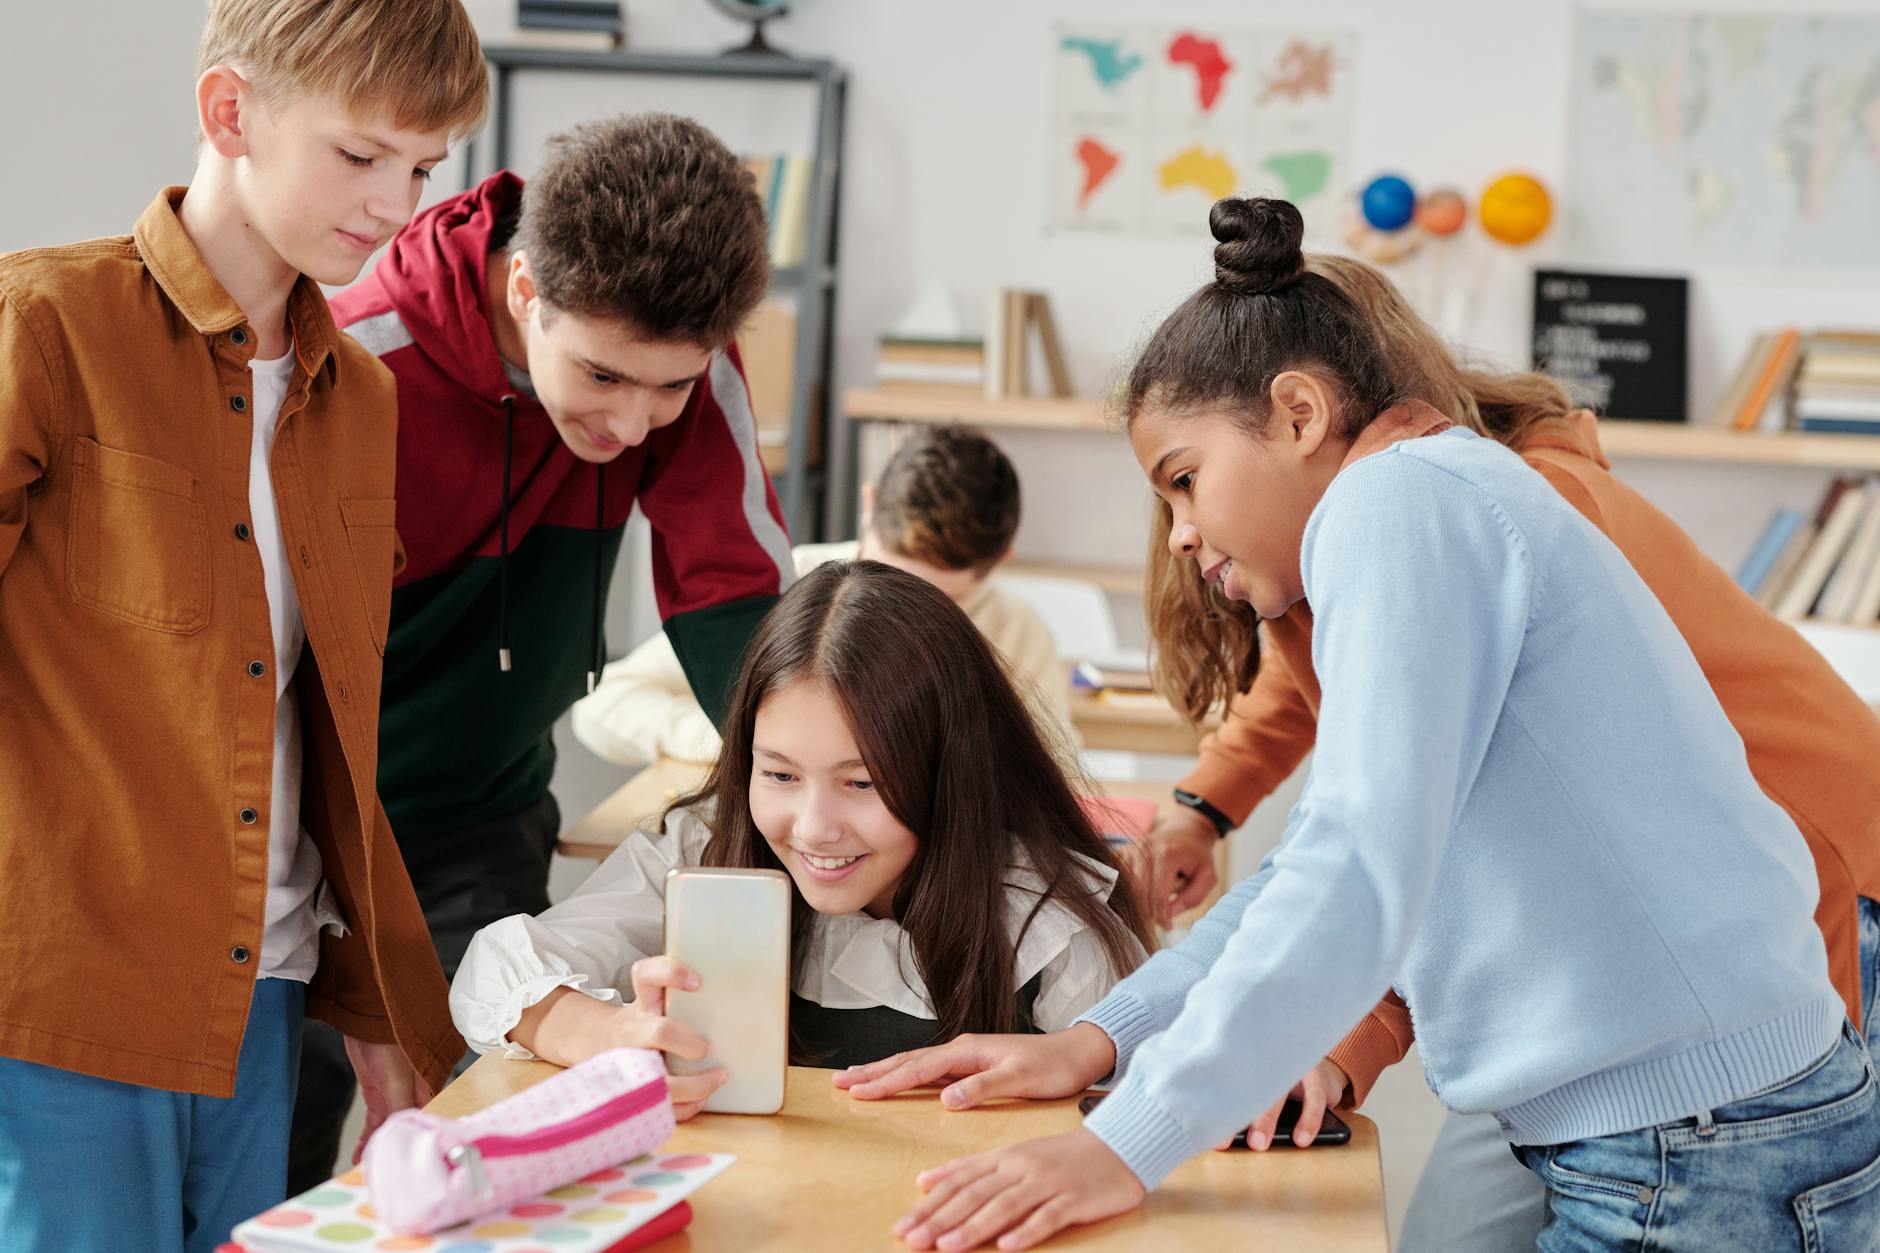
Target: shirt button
256, 669
248, 817
238, 337
239, 954
241, 530
238, 403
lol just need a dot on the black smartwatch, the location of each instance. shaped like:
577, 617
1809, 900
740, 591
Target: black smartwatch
1222, 823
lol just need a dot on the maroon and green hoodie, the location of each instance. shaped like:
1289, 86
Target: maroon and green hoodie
510, 539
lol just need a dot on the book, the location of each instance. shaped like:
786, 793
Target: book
895, 372
1016, 324
1844, 585
1866, 607
1095, 676
932, 351
593, 1216
1840, 426
1798, 599
1762, 557
1790, 558
996, 344
1779, 361
1046, 326
789, 236
1747, 372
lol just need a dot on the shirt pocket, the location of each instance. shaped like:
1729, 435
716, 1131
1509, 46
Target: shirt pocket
372, 534
138, 548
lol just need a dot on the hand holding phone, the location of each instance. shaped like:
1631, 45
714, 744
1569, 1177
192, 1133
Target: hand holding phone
731, 927
1331, 1131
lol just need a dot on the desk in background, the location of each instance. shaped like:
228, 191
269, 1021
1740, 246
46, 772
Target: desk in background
830, 1172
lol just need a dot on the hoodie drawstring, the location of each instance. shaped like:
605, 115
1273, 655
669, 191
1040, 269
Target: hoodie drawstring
600, 546
502, 583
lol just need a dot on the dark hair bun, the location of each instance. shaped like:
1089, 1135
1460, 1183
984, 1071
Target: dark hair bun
1258, 253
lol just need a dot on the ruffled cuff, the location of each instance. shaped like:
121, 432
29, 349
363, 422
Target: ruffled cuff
503, 974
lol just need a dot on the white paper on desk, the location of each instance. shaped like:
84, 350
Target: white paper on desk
585, 1217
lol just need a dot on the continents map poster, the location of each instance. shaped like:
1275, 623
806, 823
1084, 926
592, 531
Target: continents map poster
1151, 125
1736, 139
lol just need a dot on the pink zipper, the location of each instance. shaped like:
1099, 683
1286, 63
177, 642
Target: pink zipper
604, 1115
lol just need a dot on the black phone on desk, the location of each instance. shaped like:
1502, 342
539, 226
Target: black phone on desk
1332, 1130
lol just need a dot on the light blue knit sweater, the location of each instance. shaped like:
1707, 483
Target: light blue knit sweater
1526, 811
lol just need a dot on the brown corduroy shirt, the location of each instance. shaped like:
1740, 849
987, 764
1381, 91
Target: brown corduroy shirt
1811, 743
136, 746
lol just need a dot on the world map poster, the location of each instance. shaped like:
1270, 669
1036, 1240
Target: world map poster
1734, 138
1151, 125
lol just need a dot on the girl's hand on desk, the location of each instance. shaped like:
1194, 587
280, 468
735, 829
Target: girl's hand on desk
643, 1025
984, 1067
1019, 1195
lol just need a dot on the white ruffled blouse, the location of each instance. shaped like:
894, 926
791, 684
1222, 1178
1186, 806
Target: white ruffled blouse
591, 940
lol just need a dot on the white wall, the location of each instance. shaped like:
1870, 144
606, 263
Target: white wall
946, 181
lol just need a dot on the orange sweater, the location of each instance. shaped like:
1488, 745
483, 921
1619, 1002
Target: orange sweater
1811, 742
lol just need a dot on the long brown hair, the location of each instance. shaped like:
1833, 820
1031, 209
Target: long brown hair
957, 761
1294, 305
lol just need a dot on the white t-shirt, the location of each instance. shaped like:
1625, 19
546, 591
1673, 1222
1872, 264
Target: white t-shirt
290, 947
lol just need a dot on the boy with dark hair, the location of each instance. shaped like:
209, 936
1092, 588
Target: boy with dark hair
563, 351
196, 557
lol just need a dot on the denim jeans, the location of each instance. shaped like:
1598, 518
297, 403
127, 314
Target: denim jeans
1796, 1166
1474, 1197
89, 1165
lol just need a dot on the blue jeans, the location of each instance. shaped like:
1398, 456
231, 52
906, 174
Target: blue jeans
1474, 1197
88, 1165
1796, 1166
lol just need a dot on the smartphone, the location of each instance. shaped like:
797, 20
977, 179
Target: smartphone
1331, 1130
732, 928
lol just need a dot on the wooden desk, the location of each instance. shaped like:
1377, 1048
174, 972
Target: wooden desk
831, 1172
1135, 722
636, 806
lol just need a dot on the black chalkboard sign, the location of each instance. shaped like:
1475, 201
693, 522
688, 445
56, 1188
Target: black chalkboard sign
1618, 341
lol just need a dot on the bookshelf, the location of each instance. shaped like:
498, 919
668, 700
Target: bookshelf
1658, 441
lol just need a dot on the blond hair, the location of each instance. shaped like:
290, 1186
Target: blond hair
415, 61
1207, 648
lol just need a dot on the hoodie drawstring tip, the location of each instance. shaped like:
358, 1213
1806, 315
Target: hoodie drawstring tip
502, 659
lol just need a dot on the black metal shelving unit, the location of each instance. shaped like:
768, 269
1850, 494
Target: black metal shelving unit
799, 486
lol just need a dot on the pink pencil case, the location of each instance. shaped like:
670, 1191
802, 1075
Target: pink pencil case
426, 1173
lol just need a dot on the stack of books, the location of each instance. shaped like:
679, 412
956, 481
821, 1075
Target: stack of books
1826, 381
1837, 388
1824, 565
931, 361
783, 182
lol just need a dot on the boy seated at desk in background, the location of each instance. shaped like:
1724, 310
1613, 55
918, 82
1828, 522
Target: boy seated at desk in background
945, 509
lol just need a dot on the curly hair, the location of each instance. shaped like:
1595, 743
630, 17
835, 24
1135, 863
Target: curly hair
649, 221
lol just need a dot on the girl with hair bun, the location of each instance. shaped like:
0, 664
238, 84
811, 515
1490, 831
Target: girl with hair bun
1528, 815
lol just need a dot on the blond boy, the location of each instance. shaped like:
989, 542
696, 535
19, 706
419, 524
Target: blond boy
196, 554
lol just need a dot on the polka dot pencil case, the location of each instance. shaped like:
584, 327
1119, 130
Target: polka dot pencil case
427, 1172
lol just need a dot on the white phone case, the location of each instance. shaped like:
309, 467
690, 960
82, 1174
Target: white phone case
732, 928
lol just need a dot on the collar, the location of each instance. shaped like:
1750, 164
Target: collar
1412, 419
177, 265
857, 961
